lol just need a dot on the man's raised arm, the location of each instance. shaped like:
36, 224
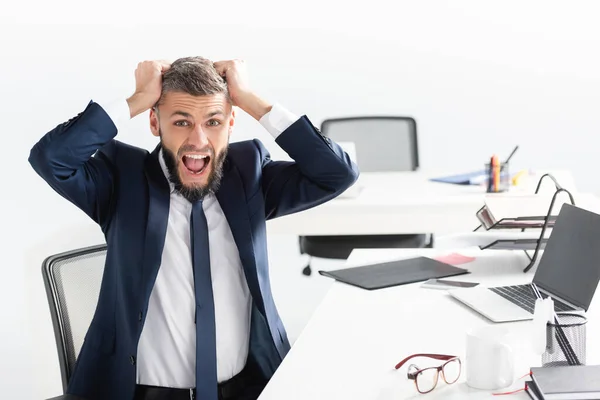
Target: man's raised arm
75, 158
321, 169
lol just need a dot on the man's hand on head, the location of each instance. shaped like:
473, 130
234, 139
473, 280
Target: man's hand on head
235, 74
148, 86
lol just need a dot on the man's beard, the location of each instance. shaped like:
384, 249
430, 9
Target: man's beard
195, 193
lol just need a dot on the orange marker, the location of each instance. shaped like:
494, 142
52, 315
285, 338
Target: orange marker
496, 172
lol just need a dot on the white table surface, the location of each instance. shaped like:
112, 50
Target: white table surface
402, 202
351, 344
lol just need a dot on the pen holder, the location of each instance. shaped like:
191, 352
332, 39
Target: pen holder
572, 339
498, 181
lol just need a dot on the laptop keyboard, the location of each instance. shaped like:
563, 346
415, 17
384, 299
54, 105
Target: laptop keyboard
524, 297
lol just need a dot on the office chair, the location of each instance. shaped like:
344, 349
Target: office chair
383, 144
72, 281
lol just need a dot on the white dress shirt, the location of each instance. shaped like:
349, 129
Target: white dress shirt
167, 347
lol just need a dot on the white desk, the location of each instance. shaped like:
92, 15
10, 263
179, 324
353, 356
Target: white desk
349, 347
401, 202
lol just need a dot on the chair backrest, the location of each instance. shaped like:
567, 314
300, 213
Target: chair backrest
382, 143
72, 280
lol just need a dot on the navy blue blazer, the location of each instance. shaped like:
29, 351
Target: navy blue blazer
123, 189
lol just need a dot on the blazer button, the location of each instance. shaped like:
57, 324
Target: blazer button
140, 316
132, 360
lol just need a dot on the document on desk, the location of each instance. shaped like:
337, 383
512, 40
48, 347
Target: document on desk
470, 178
394, 273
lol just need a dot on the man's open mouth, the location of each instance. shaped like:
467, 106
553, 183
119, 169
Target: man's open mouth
196, 163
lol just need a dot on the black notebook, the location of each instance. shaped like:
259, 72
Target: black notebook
532, 390
394, 273
568, 382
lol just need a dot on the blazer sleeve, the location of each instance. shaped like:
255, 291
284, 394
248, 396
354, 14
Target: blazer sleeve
75, 159
321, 170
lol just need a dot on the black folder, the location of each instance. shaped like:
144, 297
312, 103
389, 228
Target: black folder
394, 273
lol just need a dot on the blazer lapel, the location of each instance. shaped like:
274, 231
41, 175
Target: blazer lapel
158, 217
232, 200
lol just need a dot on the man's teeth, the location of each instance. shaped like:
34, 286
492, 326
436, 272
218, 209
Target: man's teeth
196, 156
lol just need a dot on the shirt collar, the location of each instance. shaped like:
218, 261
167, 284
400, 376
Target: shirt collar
163, 166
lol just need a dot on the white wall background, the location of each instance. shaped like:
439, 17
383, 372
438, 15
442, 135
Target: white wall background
479, 77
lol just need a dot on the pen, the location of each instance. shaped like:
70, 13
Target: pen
511, 154
508, 159
490, 177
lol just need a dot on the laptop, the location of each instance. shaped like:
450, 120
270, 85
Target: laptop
568, 272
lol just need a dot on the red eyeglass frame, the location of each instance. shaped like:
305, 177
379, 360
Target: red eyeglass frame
439, 368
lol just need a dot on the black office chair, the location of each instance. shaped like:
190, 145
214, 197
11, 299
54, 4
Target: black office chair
382, 144
72, 280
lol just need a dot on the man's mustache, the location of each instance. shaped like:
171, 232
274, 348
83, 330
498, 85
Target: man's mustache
191, 148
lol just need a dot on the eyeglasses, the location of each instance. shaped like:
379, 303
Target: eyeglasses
426, 379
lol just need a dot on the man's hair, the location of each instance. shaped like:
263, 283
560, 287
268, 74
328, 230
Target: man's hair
193, 75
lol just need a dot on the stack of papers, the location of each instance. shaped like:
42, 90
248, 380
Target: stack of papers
507, 211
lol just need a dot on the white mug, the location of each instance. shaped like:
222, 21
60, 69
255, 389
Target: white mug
490, 359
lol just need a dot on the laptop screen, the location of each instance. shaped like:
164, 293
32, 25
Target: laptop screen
570, 265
